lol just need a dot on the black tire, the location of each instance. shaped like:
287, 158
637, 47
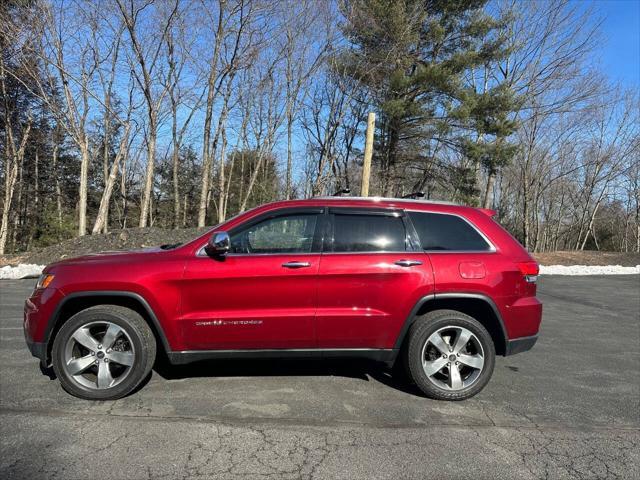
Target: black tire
422, 328
142, 340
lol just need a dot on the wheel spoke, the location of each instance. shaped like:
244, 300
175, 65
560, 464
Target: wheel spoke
104, 375
462, 340
79, 365
123, 358
437, 341
84, 338
455, 382
474, 361
430, 368
110, 336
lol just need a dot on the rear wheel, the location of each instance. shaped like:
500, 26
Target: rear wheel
450, 355
103, 352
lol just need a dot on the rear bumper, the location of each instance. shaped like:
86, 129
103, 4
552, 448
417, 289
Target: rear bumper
519, 345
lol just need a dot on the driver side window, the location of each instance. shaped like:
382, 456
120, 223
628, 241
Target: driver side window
285, 234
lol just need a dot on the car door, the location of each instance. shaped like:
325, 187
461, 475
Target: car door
263, 293
371, 275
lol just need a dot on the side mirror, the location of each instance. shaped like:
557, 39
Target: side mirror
219, 243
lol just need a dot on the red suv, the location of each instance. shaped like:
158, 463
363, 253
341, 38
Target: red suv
440, 287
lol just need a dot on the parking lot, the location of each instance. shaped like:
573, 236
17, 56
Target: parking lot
570, 408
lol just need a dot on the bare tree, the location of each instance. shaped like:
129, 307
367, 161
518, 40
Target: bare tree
14, 153
146, 59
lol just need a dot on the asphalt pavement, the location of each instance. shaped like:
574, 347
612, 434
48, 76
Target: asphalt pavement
570, 408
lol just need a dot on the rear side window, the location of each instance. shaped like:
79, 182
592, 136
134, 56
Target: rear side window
447, 232
368, 233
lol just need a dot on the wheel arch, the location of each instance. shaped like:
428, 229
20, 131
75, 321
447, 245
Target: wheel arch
476, 305
76, 302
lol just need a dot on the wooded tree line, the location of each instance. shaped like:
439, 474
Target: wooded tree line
177, 113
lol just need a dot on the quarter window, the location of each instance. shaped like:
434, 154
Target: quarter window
285, 234
368, 233
447, 232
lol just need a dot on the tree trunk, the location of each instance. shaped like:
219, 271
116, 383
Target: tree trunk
148, 177
211, 95
14, 159
289, 150
110, 182
221, 178
82, 197
57, 185
9, 185
487, 202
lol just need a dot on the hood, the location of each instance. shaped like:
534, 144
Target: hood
107, 257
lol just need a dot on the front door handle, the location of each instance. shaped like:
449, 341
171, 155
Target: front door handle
408, 263
296, 264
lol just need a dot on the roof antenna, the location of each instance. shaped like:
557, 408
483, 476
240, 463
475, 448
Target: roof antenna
414, 195
342, 192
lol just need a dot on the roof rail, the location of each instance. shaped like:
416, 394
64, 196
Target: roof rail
414, 195
390, 199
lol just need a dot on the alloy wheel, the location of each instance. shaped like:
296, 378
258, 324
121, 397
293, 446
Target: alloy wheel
99, 355
452, 358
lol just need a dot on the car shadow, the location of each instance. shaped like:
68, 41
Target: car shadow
356, 369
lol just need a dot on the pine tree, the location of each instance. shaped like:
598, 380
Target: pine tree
414, 58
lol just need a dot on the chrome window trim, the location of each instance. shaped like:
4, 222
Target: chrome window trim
202, 253
376, 252
436, 252
492, 247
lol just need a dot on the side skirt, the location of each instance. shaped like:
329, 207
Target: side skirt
375, 354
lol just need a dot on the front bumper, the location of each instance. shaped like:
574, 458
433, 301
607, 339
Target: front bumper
39, 308
519, 345
38, 350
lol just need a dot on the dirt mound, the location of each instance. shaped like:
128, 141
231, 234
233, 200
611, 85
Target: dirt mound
127, 239
588, 257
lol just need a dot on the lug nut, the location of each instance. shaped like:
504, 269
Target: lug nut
457, 363
106, 360
93, 353
108, 350
444, 356
97, 362
100, 346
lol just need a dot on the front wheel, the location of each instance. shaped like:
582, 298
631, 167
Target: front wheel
450, 355
103, 352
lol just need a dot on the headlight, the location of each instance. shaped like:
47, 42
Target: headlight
44, 280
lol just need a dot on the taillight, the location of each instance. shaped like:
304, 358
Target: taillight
529, 271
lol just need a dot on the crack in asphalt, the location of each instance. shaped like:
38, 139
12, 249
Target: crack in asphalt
222, 451
294, 422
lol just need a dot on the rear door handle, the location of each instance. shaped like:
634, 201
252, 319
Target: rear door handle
408, 263
296, 264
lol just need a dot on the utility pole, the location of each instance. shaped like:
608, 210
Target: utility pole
368, 153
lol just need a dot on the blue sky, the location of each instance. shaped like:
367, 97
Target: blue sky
620, 51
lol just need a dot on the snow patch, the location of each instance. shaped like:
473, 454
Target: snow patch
24, 270
588, 270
